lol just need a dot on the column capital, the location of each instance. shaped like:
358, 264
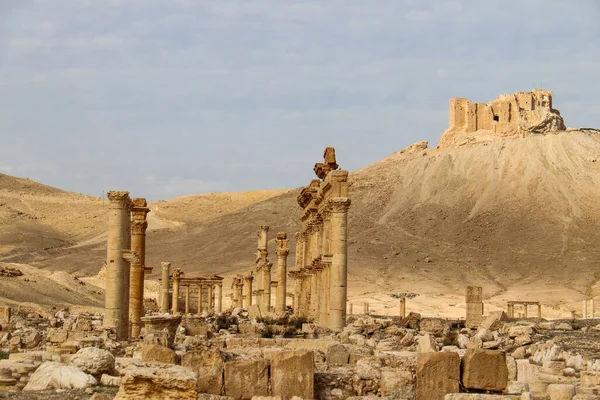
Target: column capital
339, 204
165, 265
118, 199
138, 227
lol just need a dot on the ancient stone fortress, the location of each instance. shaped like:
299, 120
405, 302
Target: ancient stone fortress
192, 346
510, 115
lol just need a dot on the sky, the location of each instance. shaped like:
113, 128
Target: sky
166, 98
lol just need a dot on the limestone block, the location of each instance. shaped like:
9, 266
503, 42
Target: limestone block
292, 374
515, 331
337, 354
161, 354
244, 379
53, 375
434, 326
511, 365
437, 375
526, 372
477, 396
561, 391
484, 370
94, 361
485, 335
523, 340
209, 365
563, 326
474, 316
56, 335
84, 323
108, 380
397, 384
589, 378
172, 383
407, 340
515, 387
494, 320
427, 344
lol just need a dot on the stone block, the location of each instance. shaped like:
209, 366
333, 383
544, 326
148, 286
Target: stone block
589, 378
244, 379
337, 354
474, 316
56, 335
148, 383
437, 375
494, 320
561, 391
484, 370
292, 374
209, 365
477, 396
526, 372
53, 375
161, 354
397, 384
427, 344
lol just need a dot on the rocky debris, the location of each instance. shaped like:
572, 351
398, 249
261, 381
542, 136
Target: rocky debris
209, 365
415, 147
94, 361
244, 379
160, 354
54, 375
174, 382
10, 272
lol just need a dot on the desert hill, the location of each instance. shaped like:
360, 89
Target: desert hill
517, 216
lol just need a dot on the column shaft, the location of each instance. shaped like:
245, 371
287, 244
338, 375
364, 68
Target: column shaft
339, 266
219, 297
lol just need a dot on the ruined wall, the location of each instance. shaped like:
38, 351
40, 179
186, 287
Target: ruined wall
510, 115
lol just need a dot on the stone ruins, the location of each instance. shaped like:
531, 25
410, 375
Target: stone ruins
510, 115
190, 345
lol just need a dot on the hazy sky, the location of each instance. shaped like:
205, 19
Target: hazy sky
171, 97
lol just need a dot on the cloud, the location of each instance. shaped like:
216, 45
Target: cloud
242, 95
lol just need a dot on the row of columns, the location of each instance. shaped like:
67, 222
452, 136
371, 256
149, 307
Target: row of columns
169, 300
321, 273
243, 284
510, 309
125, 263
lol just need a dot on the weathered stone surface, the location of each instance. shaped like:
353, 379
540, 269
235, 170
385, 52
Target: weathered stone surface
434, 326
172, 383
494, 320
477, 396
397, 384
437, 375
209, 364
337, 354
589, 378
484, 370
56, 335
292, 374
244, 379
161, 354
427, 344
53, 375
94, 361
108, 380
561, 391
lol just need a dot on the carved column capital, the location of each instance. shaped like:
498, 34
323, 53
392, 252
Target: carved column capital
339, 204
118, 199
139, 227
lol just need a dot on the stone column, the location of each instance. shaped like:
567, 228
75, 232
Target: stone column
266, 269
187, 299
339, 265
177, 275
138, 246
366, 308
282, 254
117, 268
351, 308
474, 300
403, 307
511, 310
164, 287
248, 289
314, 296
540, 311
238, 291
210, 296
219, 297
592, 308
199, 299
585, 309
322, 312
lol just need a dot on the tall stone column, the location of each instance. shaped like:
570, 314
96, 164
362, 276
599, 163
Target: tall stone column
403, 307
526, 307
585, 313
314, 295
199, 300
219, 297
117, 266
266, 269
592, 308
474, 300
540, 311
138, 246
511, 310
339, 264
164, 287
177, 275
282, 254
238, 292
248, 278
187, 299
210, 297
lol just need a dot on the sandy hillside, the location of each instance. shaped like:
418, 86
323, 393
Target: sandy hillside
518, 217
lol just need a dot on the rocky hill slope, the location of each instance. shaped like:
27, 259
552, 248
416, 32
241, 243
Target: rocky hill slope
519, 217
